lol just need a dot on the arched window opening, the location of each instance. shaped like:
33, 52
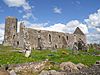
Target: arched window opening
56, 46
49, 38
13, 36
67, 37
14, 26
17, 43
59, 36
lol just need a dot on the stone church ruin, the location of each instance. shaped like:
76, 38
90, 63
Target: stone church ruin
38, 39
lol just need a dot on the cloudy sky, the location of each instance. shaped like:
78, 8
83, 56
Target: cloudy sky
55, 15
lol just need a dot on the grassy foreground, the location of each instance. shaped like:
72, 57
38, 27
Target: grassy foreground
8, 56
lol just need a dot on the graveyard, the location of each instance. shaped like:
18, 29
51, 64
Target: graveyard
10, 55
42, 52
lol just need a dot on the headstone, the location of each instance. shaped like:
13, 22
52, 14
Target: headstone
75, 48
12, 72
28, 51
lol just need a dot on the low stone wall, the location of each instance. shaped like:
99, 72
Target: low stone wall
35, 66
38, 68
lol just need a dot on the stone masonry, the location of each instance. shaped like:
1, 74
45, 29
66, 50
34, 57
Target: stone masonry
10, 30
38, 39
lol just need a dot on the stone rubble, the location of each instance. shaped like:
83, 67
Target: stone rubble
66, 68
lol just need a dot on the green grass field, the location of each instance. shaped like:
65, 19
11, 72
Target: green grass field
7, 56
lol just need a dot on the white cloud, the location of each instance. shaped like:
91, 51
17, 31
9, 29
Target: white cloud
77, 2
1, 32
59, 27
21, 3
94, 19
18, 3
69, 27
26, 6
42, 26
20, 11
56, 27
35, 25
28, 15
93, 23
93, 38
57, 10
98, 29
1, 26
72, 25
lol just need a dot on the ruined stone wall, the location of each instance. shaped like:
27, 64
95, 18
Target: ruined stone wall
38, 39
42, 39
21, 36
82, 37
71, 40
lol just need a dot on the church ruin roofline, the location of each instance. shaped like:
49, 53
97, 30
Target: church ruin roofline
47, 30
78, 31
